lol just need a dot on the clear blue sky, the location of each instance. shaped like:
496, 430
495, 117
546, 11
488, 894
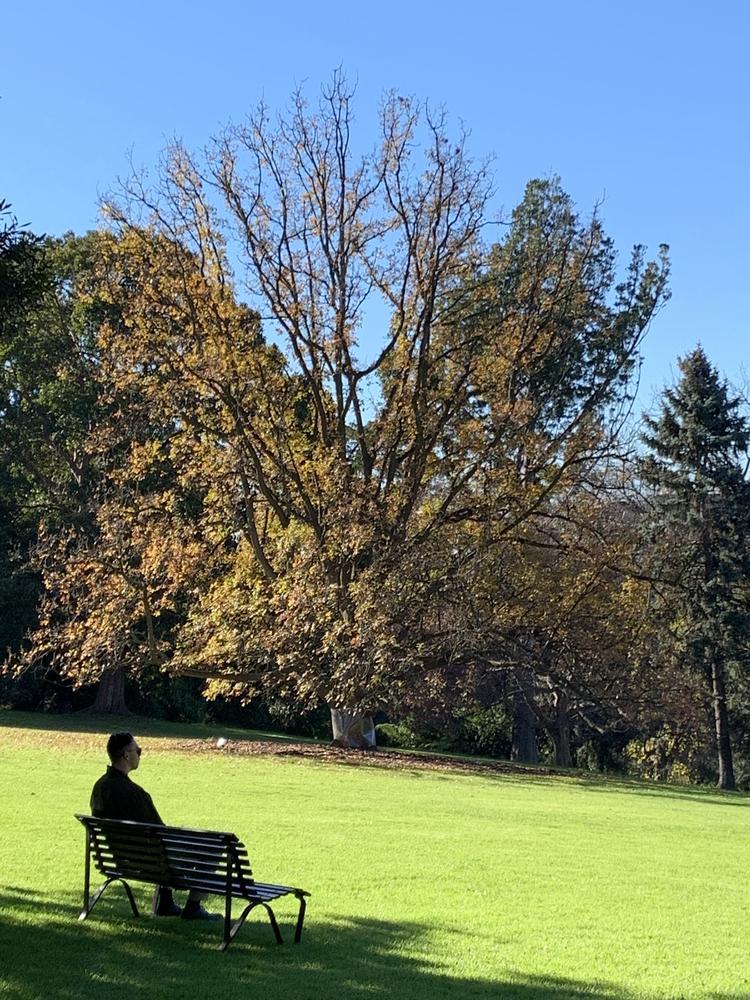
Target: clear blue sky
644, 106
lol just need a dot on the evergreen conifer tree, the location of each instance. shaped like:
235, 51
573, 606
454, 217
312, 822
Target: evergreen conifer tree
701, 513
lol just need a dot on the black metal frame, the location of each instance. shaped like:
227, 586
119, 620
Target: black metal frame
230, 891
88, 903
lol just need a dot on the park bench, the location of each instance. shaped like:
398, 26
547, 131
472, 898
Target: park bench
179, 858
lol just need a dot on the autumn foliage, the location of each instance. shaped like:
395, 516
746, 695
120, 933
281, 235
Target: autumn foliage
346, 451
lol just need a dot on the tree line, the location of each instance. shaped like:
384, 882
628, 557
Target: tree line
212, 466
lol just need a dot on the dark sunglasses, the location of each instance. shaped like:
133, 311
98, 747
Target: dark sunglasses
138, 750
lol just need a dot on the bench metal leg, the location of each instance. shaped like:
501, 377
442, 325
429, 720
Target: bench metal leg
274, 925
300, 919
229, 936
227, 923
86, 879
88, 907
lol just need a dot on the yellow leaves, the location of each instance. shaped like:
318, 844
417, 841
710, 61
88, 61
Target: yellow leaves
144, 455
216, 688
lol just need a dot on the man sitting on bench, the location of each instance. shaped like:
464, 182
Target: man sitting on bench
115, 796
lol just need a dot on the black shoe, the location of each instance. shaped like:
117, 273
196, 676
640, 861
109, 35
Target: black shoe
194, 911
168, 908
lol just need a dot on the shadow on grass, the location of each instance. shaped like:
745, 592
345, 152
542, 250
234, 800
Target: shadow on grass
705, 795
47, 952
87, 722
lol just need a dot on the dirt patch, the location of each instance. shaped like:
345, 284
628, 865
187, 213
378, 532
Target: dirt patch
330, 754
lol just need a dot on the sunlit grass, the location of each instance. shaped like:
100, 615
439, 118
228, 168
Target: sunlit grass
424, 884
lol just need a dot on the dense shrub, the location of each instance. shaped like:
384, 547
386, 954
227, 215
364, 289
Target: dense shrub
668, 756
179, 699
396, 734
742, 770
41, 691
162, 696
484, 732
603, 754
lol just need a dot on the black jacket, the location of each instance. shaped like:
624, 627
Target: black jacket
115, 796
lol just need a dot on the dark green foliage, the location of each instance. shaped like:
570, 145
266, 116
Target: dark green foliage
396, 734
160, 696
23, 274
49, 380
25, 278
19, 587
699, 522
603, 753
552, 282
484, 732
42, 691
153, 693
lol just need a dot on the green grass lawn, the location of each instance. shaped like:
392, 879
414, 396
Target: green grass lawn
425, 885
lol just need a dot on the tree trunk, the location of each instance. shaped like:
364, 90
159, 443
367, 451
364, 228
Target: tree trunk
524, 747
723, 744
110, 695
352, 729
561, 731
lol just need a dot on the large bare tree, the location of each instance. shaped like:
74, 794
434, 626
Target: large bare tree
343, 469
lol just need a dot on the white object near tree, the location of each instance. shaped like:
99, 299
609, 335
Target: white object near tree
351, 729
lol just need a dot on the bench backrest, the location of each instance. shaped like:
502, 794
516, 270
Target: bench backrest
206, 860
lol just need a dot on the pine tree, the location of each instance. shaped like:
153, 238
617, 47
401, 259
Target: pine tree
701, 513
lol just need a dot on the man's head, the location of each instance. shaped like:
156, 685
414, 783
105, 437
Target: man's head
123, 751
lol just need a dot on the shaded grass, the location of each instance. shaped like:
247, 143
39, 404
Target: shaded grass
425, 884
88, 722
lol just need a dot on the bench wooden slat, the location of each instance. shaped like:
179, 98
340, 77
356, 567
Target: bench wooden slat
212, 860
132, 837
202, 869
133, 850
207, 844
171, 848
166, 871
237, 890
169, 831
142, 873
262, 886
217, 862
126, 835
154, 847
199, 857
132, 867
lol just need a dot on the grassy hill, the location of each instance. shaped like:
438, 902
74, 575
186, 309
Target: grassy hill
425, 884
